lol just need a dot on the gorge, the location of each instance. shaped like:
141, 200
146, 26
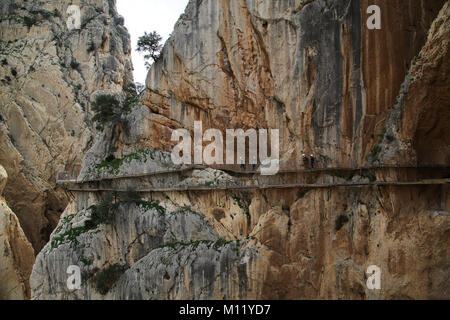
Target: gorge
372, 106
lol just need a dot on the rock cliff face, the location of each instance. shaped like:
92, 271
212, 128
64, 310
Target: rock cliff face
17, 255
417, 125
312, 69
48, 76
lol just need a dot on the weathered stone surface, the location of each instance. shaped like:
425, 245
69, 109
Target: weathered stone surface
3, 179
313, 70
138, 237
202, 271
48, 76
417, 130
291, 246
17, 254
313, 255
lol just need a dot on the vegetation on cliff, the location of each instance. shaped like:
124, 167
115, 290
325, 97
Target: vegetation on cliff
151, 44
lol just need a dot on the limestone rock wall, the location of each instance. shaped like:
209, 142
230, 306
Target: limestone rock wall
17, 254
334, 88
165, 252
417, 128
48, 75
312, 70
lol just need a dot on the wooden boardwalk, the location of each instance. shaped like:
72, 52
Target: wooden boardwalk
84, 188
234, 169
248, 180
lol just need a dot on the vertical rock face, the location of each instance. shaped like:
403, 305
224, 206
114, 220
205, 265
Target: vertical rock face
48, 75
17, 255
334, 88
312, 70
417, 129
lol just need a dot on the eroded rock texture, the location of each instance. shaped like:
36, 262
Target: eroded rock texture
313, 70
17, 254
48, 76
417, 129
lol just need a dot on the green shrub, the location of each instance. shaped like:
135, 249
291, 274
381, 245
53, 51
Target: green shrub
105, 279
43, 13
70, 236
150, 43
107, 109
241, 203
151, 205
192, 244
220, 243
374, 153
103, 212
29, 21
113, 164
74, 65
132, 96
86, 261
56, 13
132, 196
91, 47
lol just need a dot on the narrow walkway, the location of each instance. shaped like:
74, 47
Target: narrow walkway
68, 178
441, 213
84, 188
161, 181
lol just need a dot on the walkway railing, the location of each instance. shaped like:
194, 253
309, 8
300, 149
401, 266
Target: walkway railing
65, 177
286, 167
254, 184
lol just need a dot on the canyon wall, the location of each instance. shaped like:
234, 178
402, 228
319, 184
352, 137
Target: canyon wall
17, 254
311, 69
350, 95
48, 76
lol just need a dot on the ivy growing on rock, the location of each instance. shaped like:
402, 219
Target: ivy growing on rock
216, 245
102, 213
112, 164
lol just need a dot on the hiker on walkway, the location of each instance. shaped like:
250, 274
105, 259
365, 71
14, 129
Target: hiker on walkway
305, 161
312, 161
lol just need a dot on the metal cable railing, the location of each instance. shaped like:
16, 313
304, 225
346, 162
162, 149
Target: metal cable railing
256, 185
280, 181
286, 167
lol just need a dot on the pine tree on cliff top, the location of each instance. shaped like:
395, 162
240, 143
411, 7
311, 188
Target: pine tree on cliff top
150, 43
